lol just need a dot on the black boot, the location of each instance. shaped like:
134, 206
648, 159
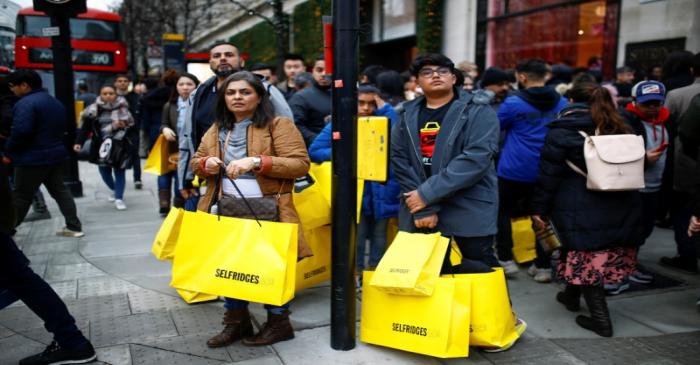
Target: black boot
163, 202
570, 297
599, 321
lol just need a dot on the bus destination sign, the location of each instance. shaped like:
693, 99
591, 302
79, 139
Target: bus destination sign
80, 57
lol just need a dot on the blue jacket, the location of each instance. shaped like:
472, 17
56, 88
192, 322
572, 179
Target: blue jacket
524, 119
38, 129
379, 200
462, 188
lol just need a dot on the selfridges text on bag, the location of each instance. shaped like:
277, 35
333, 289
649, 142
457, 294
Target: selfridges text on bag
614, 162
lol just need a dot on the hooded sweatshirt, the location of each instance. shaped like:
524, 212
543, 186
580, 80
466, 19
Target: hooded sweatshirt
524, 118
655, 136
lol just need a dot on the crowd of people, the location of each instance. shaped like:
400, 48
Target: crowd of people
470, 151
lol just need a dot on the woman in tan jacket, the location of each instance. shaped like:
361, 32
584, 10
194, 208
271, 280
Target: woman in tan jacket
262, 154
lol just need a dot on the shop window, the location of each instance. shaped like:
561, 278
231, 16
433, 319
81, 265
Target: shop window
570, 33
393, 19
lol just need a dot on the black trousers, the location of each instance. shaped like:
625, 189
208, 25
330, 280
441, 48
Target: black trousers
477, 255
514, 201
20, 280
28, 179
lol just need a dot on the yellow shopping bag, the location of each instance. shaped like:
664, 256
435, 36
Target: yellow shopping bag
166, 239
315, 269
311, 204
323, 174
159, 161
437, 325
523, 240
492, 318
191, 297
411, 265
236, 258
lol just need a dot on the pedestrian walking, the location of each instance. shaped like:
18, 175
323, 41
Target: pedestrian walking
69, 345
262, 154
172, 123
524, 120
599, 231
36, 148
107, 118
121, 83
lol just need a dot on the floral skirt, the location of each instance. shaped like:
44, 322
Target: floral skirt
597, 267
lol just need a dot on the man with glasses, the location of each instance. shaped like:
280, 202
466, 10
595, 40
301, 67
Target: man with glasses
224, 60
442, 153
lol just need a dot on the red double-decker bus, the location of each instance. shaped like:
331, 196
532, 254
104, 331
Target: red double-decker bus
96, 39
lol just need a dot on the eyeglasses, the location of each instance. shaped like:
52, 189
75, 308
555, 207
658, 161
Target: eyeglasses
441, 71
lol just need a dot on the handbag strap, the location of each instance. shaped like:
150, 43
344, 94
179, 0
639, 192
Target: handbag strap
576, 169
223, 173
571, 164
247, 204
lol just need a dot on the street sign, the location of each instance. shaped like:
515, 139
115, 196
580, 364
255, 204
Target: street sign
50, 32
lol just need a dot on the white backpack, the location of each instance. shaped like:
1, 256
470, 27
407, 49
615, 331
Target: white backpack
614, 162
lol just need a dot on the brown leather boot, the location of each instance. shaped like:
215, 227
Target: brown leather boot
164, 201
276, 329
237, 325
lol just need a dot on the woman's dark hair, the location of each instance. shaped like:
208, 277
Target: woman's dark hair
191, 77
169, 80
109, 86
263, 113
603, 112
173, 94
390, 85
677, 63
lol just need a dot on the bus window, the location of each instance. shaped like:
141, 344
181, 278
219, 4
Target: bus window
87, 29
30, 26
94, 30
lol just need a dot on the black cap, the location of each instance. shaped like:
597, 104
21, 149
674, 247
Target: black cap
493, 76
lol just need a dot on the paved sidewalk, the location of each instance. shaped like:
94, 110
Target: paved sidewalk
120, 297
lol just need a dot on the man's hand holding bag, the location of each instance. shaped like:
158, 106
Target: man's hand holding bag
411, 265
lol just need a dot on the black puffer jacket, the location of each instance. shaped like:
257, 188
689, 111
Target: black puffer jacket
586, 220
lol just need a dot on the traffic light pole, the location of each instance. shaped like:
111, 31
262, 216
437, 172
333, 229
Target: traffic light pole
343, 64
63, 85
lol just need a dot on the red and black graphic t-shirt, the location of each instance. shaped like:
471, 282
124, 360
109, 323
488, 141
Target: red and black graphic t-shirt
429, 122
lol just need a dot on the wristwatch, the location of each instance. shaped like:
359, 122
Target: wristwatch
257, 162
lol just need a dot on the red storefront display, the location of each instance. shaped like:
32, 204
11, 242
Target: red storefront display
569, 32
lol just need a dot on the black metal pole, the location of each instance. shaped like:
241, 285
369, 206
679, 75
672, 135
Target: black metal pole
63, 85
344, 93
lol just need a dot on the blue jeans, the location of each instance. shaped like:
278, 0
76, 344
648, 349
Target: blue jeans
115, 183
231, 304
374, 231
165, 182
20, 280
